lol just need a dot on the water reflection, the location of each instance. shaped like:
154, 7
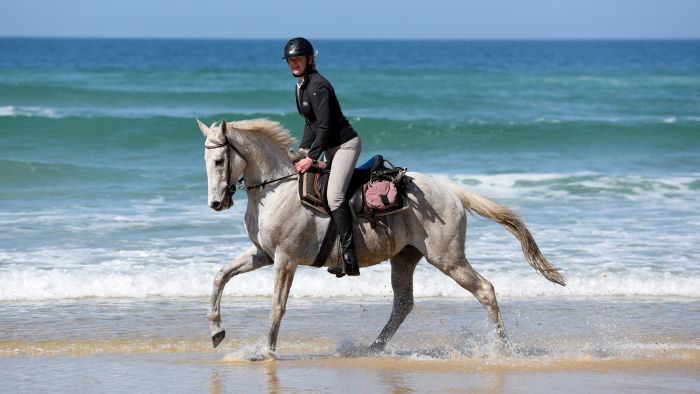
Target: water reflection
215, 386
273, 383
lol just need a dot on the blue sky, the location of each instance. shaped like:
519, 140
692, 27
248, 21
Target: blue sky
389, 19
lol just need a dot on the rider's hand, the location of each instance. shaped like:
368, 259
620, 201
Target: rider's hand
304, 164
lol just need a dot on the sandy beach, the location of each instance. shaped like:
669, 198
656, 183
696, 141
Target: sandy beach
580, 346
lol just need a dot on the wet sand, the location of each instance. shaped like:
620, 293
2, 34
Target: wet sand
206, 372
160, 345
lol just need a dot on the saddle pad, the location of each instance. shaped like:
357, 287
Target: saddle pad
312, 189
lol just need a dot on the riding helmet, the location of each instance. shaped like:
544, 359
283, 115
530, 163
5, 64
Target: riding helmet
298, 46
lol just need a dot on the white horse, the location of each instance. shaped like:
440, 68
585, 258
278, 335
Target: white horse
287, 234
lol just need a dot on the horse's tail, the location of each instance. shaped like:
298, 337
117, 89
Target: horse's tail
475, 202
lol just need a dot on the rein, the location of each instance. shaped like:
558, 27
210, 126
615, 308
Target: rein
265, 183
240, 184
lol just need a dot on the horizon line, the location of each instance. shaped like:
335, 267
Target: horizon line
356, 39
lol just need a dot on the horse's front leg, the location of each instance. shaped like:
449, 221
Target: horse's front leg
284, 275
252, 259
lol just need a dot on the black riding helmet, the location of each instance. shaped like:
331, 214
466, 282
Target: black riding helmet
298, 46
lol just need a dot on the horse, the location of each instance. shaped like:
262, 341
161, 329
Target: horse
285, 233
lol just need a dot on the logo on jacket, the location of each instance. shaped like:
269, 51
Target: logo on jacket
305, 104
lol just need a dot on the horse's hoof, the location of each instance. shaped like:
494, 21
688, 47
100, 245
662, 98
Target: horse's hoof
262, 356
218, 337
503, 346
376, 348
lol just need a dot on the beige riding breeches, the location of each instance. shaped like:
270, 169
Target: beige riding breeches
342, 160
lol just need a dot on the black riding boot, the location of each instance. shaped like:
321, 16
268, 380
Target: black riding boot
343, 223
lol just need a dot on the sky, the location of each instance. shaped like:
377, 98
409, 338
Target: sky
358, 19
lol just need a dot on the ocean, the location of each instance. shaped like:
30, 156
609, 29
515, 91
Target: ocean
595, 143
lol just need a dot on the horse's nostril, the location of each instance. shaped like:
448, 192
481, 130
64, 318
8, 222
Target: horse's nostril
215, 204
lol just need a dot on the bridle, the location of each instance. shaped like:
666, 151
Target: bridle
240, 184
230, 188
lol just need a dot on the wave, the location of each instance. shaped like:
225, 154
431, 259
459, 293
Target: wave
122, 128
32, 175
245, 105
39, 112
24, 176
195, 281
582, 185
163, 110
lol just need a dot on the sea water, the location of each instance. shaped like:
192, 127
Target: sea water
595, 143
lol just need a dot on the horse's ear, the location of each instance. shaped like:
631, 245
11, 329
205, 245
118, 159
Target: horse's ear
204, 128
223, 127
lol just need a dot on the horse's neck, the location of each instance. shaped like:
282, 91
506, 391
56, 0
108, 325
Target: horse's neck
265, 161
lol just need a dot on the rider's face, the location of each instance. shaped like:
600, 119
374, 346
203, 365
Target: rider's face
297, 65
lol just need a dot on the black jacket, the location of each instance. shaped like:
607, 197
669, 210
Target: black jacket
326, 127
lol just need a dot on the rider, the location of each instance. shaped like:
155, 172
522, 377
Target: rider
325, 130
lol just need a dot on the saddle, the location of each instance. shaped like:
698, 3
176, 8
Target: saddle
312, 193
313, 185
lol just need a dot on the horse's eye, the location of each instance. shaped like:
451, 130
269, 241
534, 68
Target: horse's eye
219, 162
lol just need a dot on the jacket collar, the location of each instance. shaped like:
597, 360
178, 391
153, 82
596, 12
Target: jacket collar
307, 77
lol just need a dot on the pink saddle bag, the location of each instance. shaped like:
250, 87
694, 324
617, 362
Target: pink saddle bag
380, 195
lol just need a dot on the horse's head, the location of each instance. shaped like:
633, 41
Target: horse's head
225, 164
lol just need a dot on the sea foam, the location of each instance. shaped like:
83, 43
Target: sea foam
11, 110
576, 185
196, 281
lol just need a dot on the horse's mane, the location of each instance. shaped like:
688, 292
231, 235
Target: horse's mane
274, 131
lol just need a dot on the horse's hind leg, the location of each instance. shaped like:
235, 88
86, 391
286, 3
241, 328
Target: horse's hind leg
402, 267
250, 260
459, 269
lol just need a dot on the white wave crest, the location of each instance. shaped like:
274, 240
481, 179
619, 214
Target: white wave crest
40, 112
130, 112
547, 186
196, 280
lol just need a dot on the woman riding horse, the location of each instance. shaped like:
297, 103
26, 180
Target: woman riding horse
326, 130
